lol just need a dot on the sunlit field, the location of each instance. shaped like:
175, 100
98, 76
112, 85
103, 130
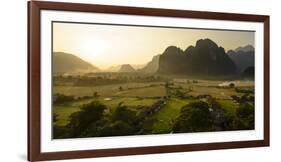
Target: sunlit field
138, 97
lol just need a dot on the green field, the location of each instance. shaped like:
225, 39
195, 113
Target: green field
228, 106
166, 116
155, 91
139, 96
128, 89
221, 93
64, 111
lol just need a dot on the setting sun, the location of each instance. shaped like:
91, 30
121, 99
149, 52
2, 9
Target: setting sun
111, 45
92, 49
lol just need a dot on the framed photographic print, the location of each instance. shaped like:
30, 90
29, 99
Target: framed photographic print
116, 80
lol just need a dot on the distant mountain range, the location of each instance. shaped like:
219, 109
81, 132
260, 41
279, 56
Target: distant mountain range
152, 66
126, 68
116, 68
205, 58
243, 57
246, 48
69, 63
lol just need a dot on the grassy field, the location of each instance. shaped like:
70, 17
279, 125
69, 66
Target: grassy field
128, 89
229, 106
63, 111
213, 83
221, 93
166, 116
139, 95
155, 91
203, 87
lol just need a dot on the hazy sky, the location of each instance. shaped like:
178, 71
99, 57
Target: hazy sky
107, 45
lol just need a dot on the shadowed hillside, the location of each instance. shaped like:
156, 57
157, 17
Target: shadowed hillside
206, 58
243, 57
152, 66
69, 63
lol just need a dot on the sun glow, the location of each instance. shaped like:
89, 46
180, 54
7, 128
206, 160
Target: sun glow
109, 45
92, 49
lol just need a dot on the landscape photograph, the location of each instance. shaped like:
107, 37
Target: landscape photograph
126, 80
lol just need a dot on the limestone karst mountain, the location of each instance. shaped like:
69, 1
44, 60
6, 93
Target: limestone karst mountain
206, 58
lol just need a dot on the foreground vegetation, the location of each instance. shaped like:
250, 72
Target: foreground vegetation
126, 104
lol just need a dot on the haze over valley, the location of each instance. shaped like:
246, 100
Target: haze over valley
206, 58
111, 80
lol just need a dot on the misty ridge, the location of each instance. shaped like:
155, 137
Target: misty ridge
206, 58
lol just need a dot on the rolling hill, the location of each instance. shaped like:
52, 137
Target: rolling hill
69, 63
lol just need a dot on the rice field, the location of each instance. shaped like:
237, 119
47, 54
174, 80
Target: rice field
141, 95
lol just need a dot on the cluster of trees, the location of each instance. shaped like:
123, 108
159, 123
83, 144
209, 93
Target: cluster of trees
244, 98
116, 79
245, 90
177, 91
202, 116
194, 117
245, 116
61, 98
105, 79
92, 121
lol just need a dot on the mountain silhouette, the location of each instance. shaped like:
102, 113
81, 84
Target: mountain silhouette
246, 48
69, 63
206, 58
243, 57
126, 68
152, 66
115, 68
